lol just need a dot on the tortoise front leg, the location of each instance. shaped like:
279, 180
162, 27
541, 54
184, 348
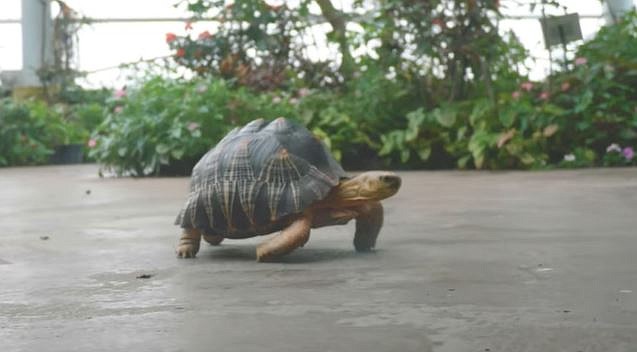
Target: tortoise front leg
368, 224
292, 237
189, 243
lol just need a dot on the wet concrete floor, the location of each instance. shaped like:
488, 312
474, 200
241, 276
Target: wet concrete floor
467, 261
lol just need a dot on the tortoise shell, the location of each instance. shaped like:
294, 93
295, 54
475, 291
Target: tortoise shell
257, 178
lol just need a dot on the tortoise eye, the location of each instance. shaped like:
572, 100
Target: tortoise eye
391, 180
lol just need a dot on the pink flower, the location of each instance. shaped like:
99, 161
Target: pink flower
91, 143
565, 86
170, 37
303, 92
181, 52
516, 95
118, 109
580, 61
527, 86
192, 126
629, 153
544, 95
119, 93
188, 25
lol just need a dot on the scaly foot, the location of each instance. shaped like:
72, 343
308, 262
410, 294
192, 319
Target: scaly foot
188, 244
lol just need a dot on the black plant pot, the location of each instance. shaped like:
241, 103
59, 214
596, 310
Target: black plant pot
67, 154
181, 167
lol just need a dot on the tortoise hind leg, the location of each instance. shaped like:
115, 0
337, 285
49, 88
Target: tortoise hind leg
368, 224
292, 237
189, 243
214, 240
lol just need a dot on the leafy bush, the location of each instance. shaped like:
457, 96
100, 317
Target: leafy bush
30, 130
165, 120
497, 119
25, 133
569, 120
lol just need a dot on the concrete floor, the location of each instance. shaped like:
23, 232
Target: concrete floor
467, 261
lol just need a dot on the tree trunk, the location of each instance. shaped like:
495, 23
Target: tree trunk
338, 22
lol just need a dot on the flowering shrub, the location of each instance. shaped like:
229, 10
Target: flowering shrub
568, 120
262, 55
393, 115
25, 138
30, 130
618, 156
164, 121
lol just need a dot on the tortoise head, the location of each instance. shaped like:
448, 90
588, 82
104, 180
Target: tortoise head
369, 186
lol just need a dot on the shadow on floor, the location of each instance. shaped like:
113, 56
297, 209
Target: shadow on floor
231, 252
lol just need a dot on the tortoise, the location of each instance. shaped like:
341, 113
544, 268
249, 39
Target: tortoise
277, 176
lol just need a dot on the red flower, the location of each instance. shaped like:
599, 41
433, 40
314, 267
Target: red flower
181, 52
204, 35
565, 86
188, 25
438, 22
170, 37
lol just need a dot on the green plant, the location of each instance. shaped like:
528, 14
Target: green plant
25, 137
427, 97
164, 120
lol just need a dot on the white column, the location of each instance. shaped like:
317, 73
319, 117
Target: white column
615, 9
37, 45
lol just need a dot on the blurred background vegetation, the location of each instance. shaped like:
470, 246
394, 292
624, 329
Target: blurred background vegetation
417, 85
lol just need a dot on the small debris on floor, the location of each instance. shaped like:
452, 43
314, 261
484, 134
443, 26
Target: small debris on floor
44, 238
145, 276
625, 291
451, 289
566, 311
88, 191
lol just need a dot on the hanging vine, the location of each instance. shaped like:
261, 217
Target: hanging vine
62, 73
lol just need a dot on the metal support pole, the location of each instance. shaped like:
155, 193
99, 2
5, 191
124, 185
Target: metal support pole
37, 45
615, 9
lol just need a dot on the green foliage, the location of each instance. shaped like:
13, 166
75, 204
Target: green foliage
30, 130
25, 133
437, 86
568, 121
254, 44
165, 120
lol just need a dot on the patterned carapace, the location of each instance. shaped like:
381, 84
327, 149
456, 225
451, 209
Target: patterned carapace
256, 178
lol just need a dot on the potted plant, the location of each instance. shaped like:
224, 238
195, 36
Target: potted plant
68, 137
